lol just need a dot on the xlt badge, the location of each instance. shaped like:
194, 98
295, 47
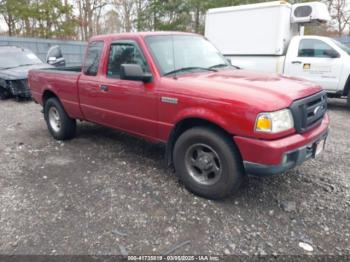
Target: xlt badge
170, 100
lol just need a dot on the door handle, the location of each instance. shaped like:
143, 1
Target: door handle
296, 62
104, 88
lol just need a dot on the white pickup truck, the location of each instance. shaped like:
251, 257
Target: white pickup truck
266, 37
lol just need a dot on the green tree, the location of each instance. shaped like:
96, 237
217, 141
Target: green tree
11, 12
38, 18
180, 15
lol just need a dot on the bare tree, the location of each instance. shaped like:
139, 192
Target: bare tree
110, 23
89, 14
126, 12
340, 12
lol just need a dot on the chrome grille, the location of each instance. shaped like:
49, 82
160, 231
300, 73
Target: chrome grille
309, 111
20, 88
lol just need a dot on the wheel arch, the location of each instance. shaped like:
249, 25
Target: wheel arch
346, 87
186, 123
47, 94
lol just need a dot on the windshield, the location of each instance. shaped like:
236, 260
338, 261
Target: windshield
180, 53
342, 46
18, 57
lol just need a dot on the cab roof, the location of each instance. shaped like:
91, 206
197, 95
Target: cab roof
137, 34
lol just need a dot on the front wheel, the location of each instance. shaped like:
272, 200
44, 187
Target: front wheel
60, 125
4, 94
208, 163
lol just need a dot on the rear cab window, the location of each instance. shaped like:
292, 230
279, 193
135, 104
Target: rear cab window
93, 58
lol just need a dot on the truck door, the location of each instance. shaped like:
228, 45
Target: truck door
89, 83
125, 104
316, 61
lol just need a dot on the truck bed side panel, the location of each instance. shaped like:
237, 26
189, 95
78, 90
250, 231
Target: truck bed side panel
62, 83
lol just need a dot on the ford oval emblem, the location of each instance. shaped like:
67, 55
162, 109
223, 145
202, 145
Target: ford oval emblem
317, 109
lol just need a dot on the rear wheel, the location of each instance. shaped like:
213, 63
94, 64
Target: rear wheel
208, 163
60, 125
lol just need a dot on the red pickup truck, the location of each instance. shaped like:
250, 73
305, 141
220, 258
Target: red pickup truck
219, 123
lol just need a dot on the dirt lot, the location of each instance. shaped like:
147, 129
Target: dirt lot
109, 193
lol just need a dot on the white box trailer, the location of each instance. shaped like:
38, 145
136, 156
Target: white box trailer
256, 29
268, 37
260, 29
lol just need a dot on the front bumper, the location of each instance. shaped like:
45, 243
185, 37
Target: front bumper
264, 157
19, 88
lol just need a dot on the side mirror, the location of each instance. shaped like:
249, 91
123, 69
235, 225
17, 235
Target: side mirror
54, 57
331, 53
134, 72
51, 59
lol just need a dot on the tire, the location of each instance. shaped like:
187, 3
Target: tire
4, 94
60, 125
348, 99
208, 163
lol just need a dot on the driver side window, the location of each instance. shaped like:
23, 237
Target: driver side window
314, 48
124, 53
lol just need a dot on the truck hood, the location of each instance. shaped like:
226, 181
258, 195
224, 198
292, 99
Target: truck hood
20, 72
266, 91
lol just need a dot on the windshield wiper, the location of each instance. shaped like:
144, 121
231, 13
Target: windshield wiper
218, 65
26, 65
4, 68
224, 65
189, 68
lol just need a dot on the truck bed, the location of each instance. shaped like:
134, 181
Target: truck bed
62, 82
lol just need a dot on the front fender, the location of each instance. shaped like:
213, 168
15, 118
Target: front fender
204, 114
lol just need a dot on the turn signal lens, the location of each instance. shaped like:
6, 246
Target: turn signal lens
264, 123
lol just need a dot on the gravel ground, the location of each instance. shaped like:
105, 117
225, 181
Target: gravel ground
106, 192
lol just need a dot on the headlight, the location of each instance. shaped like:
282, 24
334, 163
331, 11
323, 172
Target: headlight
274, 122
